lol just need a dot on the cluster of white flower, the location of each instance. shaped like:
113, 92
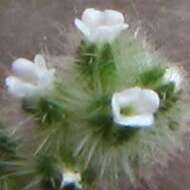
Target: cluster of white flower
35, 79
143, 102
30, 79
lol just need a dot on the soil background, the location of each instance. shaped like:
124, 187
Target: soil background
28, 27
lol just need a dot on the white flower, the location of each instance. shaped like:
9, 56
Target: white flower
172, 74
101, 26
135, 107
30, 79
70, 178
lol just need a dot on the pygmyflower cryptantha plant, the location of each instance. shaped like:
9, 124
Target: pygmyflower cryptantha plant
118, 109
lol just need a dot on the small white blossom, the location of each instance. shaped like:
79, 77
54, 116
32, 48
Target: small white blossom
101, 26
172, 74
71, 178
30, 78
141, 103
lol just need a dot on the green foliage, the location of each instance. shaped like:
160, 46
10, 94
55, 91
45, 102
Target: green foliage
87, 58
8, 153
8, 145
96, 64
168, 95
46, 165
79, 130
7, 184
109, 149
47, 111
153, 79
152, 76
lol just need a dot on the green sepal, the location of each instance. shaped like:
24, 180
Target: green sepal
45, 110
151, 77
168, 96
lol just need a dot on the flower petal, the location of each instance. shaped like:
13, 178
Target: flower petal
127, 97
82, 27
25, 69
144, 103
18, 88
40, 62
136, 121
113, 17
101, 26
106, 33
143, 100
70, 178
46, 80
92, 17
148, 101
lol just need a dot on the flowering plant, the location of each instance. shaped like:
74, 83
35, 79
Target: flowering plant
101, 26
118, 110
33, 79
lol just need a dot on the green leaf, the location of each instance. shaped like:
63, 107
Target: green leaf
8, 145
46, 110
152, 76
168, 95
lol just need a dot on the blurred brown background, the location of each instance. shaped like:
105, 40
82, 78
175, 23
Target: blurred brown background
30, 26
